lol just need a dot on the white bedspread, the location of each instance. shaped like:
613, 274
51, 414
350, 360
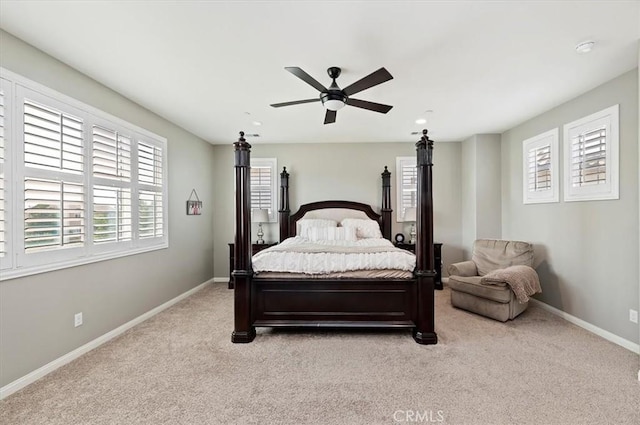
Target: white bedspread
298, 255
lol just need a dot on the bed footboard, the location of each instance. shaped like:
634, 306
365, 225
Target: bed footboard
334, 303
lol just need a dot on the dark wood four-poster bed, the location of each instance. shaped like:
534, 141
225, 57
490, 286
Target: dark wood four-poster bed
267, 300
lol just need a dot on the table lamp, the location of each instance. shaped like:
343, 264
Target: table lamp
410, 215
260, 216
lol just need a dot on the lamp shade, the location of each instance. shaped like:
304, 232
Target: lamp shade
259, 216
410, 214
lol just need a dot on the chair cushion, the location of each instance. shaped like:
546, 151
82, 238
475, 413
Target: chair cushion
490, 254
471, 285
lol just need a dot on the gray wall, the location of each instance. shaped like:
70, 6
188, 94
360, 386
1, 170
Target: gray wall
341, 171
468, 185
36, 312
588, 272
481, 188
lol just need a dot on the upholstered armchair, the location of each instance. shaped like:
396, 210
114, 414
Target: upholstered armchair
497, 281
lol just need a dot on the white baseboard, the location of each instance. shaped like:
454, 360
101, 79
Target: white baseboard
220, 280
22, 382
631, 346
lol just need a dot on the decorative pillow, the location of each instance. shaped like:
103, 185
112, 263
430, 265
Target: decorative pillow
364, 228
305, 224
332, 234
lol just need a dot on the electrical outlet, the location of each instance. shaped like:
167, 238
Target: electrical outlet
633, 315
77, 319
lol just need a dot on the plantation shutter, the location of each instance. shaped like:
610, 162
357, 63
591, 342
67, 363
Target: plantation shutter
53, 214
54, 199
539, 168
150, 220
111, 154
52, 139
111, 214
77, 185
589, 158
150, 176
149, 164
261, 191
111, 169
408, 174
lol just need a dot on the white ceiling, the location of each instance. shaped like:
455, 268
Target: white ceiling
214, 67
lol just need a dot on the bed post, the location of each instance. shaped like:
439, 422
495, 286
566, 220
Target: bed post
386, 204
284, 211
243, 329
424, 332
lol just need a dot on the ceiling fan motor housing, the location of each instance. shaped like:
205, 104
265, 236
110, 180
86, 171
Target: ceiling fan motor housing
333, 98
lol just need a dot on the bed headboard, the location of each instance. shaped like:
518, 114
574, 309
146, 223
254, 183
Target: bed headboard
331, 209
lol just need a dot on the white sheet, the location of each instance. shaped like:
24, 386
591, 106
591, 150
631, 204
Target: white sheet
299, 255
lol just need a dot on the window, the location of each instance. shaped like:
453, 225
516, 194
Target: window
540, 168
591, 157
263, 185
407, 180
89, 186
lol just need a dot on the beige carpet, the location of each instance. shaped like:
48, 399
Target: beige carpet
180, 368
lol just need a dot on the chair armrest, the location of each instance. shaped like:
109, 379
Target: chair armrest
464, 268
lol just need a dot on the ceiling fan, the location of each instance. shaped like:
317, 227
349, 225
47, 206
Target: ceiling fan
334, 98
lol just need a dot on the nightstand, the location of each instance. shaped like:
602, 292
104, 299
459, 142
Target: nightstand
437, 259
255, 248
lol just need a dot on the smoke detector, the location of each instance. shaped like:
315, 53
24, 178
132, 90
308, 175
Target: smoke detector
585, 46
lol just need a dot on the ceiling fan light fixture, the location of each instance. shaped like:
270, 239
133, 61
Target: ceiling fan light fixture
421, 121
334, 104
333, 100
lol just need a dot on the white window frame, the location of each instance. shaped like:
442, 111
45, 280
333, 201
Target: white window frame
6, 262
609, 120
20, 263
550, 139
273, 164
401, 162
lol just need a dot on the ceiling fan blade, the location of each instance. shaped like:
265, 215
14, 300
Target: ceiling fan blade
295, 102
371, 106
298, 72
373, 79
330, 117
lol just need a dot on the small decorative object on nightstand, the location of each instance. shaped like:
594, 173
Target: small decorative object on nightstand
260, 216
410, 215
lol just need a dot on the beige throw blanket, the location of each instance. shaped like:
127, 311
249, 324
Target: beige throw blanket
523, 281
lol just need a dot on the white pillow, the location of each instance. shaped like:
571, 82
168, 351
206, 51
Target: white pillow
332, 234
305, 224
364, 228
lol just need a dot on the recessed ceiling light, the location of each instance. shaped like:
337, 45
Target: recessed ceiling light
421, 121
585, 46
257, 123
